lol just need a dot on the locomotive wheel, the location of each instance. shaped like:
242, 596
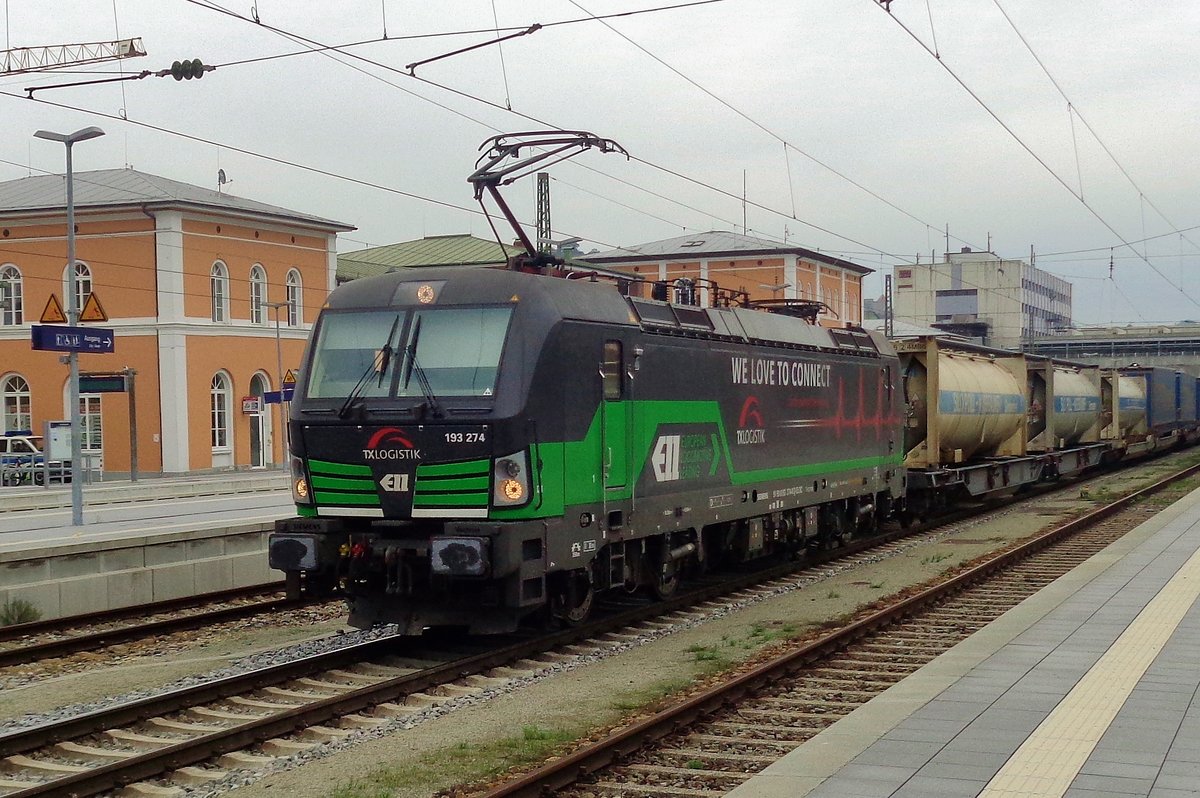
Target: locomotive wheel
666, 581
572, 604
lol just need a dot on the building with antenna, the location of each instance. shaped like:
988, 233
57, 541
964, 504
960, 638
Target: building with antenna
1001, 303
763, 269
210, 298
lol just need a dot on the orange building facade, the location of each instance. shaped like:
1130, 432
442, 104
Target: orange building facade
210, 299
762, 269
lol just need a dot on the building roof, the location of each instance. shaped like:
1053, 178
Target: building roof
714, 244
451, 250
127, 188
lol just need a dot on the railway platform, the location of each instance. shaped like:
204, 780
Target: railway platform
156, 539
1088, 689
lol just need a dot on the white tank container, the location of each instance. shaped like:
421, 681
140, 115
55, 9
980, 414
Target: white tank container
980, 404
1076, 404
1131, 404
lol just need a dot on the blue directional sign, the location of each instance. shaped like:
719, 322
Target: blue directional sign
55, 338
274, 397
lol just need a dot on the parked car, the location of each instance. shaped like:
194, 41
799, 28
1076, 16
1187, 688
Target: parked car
21, 461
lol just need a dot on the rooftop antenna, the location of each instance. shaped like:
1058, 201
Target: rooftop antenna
222, 179
490, 174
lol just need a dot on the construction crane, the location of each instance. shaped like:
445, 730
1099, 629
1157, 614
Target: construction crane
37, 59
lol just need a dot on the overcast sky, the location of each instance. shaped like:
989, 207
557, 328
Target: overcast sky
848, 135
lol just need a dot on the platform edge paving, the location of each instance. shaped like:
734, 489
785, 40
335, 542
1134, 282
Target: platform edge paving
806, 768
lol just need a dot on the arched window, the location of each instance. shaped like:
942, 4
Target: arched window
219, 288
12, 296
83, 286
15, 399
258, 295
294, 293
220, 402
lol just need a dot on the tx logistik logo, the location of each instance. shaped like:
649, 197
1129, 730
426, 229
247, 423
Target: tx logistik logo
750, 423
664, 462
390, 443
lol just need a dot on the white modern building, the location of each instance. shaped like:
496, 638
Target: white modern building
1004, 303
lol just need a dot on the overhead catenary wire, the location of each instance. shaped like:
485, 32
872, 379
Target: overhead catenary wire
1075, 111
730, 194
778, 137
1013, 134
528, 117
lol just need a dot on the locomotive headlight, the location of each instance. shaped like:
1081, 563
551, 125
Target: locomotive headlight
510, 476
300, 491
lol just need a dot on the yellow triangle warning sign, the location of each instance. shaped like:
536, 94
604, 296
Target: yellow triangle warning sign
53, 314
289, 378
92, 311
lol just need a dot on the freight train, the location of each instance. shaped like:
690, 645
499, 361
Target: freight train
471, 447
476, 447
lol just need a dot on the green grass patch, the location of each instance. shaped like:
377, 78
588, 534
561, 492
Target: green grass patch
636, 699
15, 611
706, 654
464, 762
933, 559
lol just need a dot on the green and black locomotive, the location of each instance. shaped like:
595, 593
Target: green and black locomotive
474, 446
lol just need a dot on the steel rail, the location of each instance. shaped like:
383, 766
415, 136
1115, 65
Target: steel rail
624, 741
90, 641
18, 630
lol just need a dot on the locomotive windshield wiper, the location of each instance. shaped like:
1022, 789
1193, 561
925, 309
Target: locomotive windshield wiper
379, 364
411, 365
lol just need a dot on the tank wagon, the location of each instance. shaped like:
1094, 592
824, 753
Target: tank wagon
473, 446
982, 421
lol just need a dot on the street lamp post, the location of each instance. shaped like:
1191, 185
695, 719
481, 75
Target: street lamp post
69, 140
283, 420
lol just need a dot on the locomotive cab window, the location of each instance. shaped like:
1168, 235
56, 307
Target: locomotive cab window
612, 371
390, 353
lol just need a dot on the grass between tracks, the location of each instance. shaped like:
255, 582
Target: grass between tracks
463, 762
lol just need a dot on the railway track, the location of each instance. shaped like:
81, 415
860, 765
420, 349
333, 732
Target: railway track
195, 735
715, 739
25, 643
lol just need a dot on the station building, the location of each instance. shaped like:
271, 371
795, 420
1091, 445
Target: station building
210, 298
763, 269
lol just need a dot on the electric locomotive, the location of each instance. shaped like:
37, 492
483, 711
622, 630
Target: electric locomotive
470, 447
473, 446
